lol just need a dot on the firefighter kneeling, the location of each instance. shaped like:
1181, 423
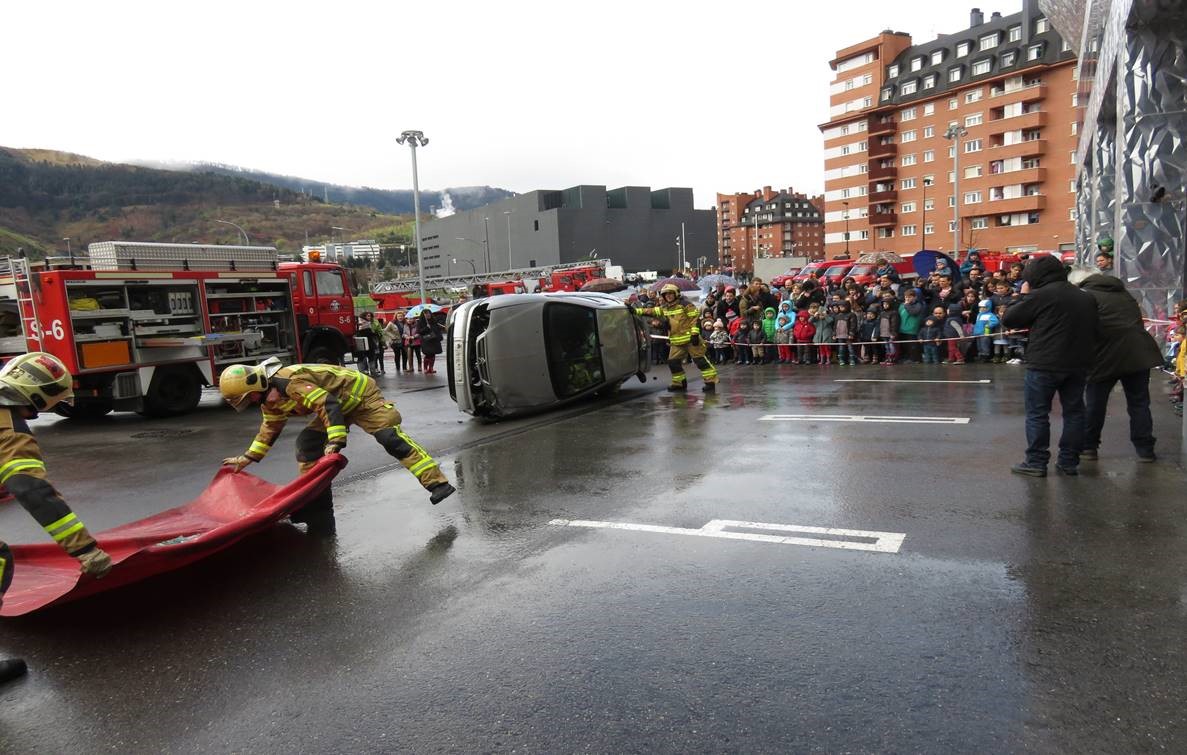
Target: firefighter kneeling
28, 384
684, 337
336, 398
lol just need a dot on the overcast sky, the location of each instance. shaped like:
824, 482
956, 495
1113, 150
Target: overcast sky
520, 95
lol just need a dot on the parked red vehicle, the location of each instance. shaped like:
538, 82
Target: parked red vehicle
834, 271
867, 264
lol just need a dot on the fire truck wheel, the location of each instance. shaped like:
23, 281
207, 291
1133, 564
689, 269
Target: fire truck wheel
173, 391
324, 355
84, 409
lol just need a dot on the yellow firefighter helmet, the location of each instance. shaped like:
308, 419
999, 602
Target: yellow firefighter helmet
669, 288
239, 381
37, 380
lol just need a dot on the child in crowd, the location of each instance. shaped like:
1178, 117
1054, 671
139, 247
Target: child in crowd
783, 337
954, 329
741, 338
758, 342
769, 327
844, 329
888, 328
719, 341
983, 328
868, 333
1001, 342
706, 331
824, 321
803, 331
930, 333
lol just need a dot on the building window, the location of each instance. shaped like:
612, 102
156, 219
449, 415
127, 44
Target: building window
951, 226
1034, 52
892, 71
953, 104
929, 81
908, 183
954, 74
980, 224
908, 136
907, 115
929, 155
929, 229
1009, 59
1075, 100
535, 225
937, 57
908, 160
962, 49
917, 63
1075, 128
972, 145
908, 207
930, 108
988, 42
952, 151
976, 119
929, 203
908, 87
1015, 33
972, 197
886, 92
908, 230
929, 132
973, 171
982, 67
866, 102
1071, 213
1065, 46
973, 96
1040, 26
951, 203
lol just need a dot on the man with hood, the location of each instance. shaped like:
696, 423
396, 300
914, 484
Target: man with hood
1125, 352
1062, 323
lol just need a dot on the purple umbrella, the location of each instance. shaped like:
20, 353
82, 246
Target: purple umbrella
605, 285
684, 284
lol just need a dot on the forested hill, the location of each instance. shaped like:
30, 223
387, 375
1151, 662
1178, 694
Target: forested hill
46, 196
384, 200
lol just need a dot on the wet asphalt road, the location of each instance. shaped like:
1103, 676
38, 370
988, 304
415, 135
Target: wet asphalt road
1020, 614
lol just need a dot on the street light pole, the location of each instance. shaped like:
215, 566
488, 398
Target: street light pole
246, 242
923, 224
414, 139
954, 133
473, 269
486, 242
846, 214
507, 213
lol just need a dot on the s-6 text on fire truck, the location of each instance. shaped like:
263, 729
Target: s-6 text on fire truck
143, 326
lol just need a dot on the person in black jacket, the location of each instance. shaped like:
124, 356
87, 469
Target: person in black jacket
1125, 352
1062, 322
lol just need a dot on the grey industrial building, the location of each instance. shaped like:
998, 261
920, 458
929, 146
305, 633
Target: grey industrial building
632, 226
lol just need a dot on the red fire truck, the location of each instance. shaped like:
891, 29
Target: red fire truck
143, 327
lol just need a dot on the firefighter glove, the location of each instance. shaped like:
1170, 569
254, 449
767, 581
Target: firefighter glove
696, 339
238, 462
95, 563
332, 448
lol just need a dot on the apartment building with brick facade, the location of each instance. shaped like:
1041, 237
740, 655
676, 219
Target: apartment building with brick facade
1004, 89
768, 223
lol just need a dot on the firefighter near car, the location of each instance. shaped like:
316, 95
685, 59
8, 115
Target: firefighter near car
29, 384
334, 398
684, 339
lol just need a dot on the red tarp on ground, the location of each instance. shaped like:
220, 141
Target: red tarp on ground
230, 508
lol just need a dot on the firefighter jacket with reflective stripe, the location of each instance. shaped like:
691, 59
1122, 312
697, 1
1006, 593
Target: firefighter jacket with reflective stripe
22, 472
682, 320
326, 391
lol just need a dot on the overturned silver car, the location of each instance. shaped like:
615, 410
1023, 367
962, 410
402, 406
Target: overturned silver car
523, 353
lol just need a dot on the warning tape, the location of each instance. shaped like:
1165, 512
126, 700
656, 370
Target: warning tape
732, 342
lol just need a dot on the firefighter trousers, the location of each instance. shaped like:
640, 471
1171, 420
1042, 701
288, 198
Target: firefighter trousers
676, 354
378, 417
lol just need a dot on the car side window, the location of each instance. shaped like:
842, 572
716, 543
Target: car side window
308, 278
571, 343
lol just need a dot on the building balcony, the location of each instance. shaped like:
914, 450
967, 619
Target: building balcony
1032, 148
877, 197
1023, 122
878, 128
878, 219
878, 173
1024, 176
999, 97
1032, 203
883, 150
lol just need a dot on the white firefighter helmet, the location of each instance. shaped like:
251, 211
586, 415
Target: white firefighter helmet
37, 380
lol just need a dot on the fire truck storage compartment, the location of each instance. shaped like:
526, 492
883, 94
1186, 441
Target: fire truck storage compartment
93, 356
261, 307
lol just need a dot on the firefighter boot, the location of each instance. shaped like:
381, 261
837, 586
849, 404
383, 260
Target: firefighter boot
12, 668
678, 388
710, 388
318, 514
440, 492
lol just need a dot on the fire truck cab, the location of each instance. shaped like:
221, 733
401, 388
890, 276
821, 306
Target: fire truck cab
143, 327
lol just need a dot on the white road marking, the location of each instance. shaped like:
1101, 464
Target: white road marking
860, 418
883, 542
876, 380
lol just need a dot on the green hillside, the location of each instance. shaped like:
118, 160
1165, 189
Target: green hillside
47, 196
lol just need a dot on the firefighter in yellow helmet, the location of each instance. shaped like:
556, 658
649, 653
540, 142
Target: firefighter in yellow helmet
684, 333
29, 384
335, 398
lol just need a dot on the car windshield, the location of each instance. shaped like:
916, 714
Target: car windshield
571, 338
861, 270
